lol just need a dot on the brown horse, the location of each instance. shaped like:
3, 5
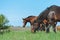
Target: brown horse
52, 15
29, 19
42, 25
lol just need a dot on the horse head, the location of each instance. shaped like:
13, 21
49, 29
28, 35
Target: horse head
24, 22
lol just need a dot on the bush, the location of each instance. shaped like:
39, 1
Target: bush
3, 22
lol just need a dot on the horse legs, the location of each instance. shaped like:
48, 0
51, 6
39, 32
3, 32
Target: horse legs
47, 28
36, 27
33, 29
47, 31
43, 27
40, 27
54, 28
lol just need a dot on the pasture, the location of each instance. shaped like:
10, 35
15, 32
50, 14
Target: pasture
22, 34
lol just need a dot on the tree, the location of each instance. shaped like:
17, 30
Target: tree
3, 20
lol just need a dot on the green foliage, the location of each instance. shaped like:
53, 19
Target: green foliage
5, 27
3, 20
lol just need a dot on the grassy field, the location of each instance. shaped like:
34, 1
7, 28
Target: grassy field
27, 35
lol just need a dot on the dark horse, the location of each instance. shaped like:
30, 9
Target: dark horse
29, 19
39, 26
52, 15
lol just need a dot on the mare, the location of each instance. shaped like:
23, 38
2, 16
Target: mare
41, 26
52, 15
29, 19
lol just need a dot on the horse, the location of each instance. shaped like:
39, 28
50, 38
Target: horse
29, 19
52, 15
40, 19
41, 26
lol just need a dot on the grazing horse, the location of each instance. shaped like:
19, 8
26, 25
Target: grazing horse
29, 19
41, 26
52, 15
40, 19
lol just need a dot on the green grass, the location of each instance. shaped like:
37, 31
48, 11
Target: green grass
27, 35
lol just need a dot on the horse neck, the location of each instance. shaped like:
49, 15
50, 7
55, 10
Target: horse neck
27, 20
31, 19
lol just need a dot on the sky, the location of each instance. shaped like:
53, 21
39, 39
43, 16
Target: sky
15, 10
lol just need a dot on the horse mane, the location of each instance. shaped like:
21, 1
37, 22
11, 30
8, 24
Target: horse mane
30, 16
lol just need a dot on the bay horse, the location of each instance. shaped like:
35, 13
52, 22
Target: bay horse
29, 19
41, 26
52, 15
